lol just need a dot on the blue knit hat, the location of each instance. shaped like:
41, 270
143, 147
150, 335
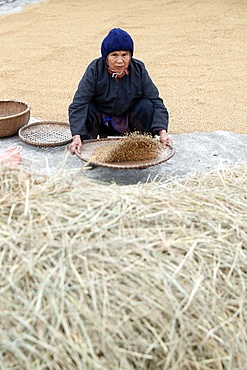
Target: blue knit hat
116, 39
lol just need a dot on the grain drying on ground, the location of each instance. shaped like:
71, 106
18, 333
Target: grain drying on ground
150, 276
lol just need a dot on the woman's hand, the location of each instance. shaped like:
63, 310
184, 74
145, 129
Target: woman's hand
76, 144
164, 138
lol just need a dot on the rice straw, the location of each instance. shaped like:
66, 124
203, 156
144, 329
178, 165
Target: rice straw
148, 276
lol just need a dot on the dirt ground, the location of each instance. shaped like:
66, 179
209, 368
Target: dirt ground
195, 51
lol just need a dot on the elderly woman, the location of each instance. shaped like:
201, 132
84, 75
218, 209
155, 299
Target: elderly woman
116, 96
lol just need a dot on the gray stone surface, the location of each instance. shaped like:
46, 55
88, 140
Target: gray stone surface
196, 151
15, 6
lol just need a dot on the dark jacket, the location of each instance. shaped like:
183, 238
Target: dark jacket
115, 97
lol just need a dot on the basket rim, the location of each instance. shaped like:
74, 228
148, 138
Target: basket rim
28, 107
42, 143
134, 165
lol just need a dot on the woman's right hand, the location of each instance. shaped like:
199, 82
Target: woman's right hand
76, 144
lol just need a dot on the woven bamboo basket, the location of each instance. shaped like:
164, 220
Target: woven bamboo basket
46, 133
13, 115
87, 155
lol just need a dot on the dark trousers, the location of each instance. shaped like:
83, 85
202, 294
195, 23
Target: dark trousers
140, 117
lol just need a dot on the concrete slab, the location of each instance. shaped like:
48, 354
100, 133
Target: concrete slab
15, 6
196, 151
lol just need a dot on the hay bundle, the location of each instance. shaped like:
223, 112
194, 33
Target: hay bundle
149, 276
132, 147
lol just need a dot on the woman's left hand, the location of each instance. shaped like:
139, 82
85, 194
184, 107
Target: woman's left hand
164, 138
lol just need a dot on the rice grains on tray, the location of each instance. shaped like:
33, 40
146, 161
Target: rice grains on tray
132, 147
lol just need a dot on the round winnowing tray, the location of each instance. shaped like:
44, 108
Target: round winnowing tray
87, 155
46, 133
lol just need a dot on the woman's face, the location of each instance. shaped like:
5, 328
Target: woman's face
118, 60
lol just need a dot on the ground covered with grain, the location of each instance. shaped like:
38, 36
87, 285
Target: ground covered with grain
148, 276
195, 51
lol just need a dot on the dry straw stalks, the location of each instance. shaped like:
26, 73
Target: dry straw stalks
150, 276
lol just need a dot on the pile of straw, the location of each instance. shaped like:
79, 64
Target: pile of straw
150, 276
131, 148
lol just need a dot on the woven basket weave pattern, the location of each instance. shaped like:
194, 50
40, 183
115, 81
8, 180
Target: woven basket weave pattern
46, 133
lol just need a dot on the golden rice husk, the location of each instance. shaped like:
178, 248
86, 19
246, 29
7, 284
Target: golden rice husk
130, 148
